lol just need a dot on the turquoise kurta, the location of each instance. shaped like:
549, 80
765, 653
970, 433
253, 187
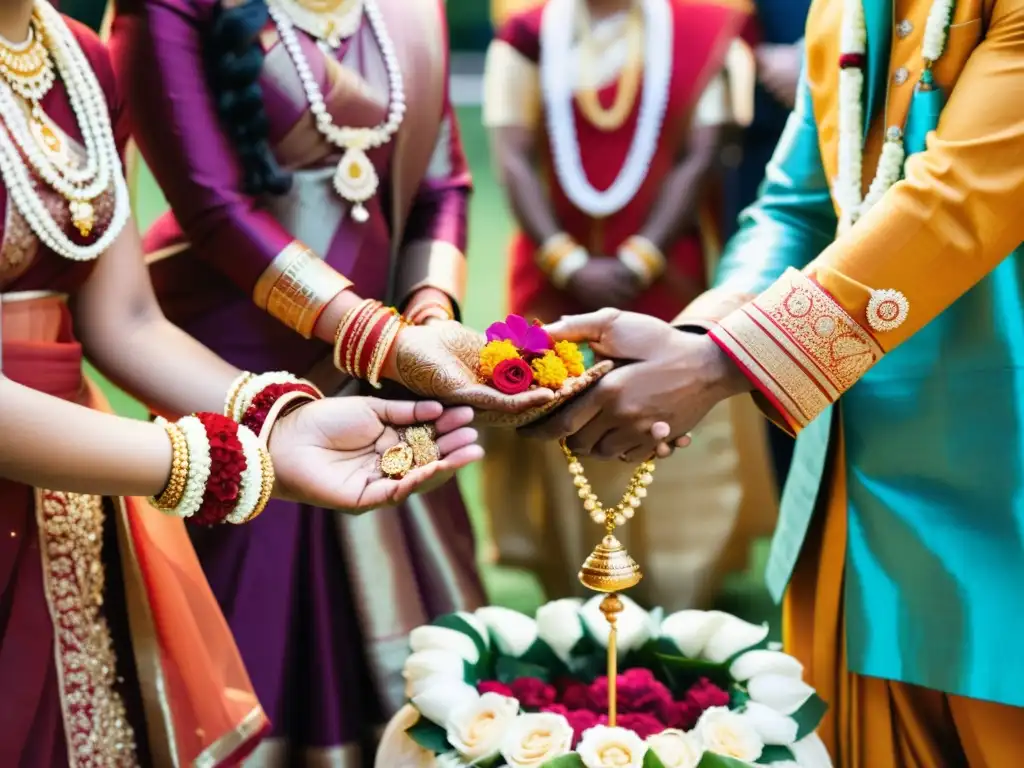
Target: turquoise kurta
934, 447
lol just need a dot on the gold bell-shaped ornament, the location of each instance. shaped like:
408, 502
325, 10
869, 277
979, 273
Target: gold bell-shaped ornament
609, 568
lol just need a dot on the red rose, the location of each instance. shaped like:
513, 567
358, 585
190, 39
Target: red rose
642, 724
533, 693
512, 376
580, 720
684, 715
493, 686
705, 695
576, 695
637, 691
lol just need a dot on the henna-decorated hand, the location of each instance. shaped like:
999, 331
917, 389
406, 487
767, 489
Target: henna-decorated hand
440, 361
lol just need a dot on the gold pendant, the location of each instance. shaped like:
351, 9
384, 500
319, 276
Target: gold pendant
609, 568
356, 181
83, 216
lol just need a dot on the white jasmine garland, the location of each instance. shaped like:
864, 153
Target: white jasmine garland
434, 663
251, 485
558, 625
853, 37
198, 467
514, 632
558, 86
428, 636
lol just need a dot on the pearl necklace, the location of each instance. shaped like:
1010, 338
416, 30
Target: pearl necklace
558, 91
853, 47
27, 66
78, 185
356, 179
331, 21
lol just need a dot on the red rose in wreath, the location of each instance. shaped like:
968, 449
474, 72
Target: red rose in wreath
512, 376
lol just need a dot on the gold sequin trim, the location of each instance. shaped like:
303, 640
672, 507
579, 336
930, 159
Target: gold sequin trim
71, 544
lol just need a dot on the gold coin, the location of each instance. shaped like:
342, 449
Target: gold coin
421, 439
397, 460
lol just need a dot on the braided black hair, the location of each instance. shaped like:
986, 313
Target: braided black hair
234, 61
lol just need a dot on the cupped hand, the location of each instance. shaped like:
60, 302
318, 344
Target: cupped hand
603, 282
327, 452
440, 361
675, 378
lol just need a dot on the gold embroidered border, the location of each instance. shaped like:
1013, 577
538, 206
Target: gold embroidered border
809, 319
71, 546
776, 372
297, 286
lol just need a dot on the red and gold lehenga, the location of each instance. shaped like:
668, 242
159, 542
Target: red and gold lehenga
714, 496
113, 651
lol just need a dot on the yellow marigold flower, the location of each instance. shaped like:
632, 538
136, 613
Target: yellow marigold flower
495, 352
569, 353
549, 371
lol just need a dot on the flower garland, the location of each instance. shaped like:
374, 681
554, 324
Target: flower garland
852, 60
700, 689
518, 356
558, 91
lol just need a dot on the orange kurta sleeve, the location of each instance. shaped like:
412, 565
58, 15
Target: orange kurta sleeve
957, 214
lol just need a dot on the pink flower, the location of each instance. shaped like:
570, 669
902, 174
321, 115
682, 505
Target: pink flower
706, 695
638, 691
576, 695
528, 338
533, 693
493, 686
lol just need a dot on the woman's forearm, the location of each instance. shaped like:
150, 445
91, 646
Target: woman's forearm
49, 443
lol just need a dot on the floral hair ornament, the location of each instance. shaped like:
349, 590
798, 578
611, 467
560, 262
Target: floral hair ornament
520, 355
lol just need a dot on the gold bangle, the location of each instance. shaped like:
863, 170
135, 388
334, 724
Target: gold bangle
346, 322
380, 352
648, 253
554, 249
284, 404
301, 285
267, 484
170, 497
236, 387
422, 312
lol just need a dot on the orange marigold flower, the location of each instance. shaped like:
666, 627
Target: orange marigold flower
549, 371
495, 352
570, 354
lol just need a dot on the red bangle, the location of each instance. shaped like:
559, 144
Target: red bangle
258, 410
227, 463
352, 331
370, 342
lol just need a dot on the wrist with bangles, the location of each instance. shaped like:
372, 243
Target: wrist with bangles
422, 312
560, 257
221, 471
365, 338
643, 258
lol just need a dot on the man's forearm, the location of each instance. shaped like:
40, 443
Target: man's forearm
528, 199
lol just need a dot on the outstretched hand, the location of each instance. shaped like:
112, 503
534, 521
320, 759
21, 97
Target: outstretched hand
327, 453
672, 380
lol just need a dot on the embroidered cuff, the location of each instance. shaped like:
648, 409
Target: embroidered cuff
431, 264
798, 346
296, 288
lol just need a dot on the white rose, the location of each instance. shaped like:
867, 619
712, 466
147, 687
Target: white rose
810, 752
691, 630
513, 631
477, 625
477, 728
676, 749
633, 624
773, 727
604, 747
761, 662
728, 733
428, 638
780, 692
558, 625
732, 636
397, 749
424, 664
535, 738
440, 696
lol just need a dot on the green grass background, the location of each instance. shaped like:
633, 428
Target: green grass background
489, 230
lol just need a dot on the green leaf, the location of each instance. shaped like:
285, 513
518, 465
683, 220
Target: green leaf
738, 697
651, 760
571, 760
774, 753
483, 665
809, 716
508, 669
695, 668
469, 673
720, 761
430, 736
540, 654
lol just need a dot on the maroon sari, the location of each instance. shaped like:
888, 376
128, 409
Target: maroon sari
321, 603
